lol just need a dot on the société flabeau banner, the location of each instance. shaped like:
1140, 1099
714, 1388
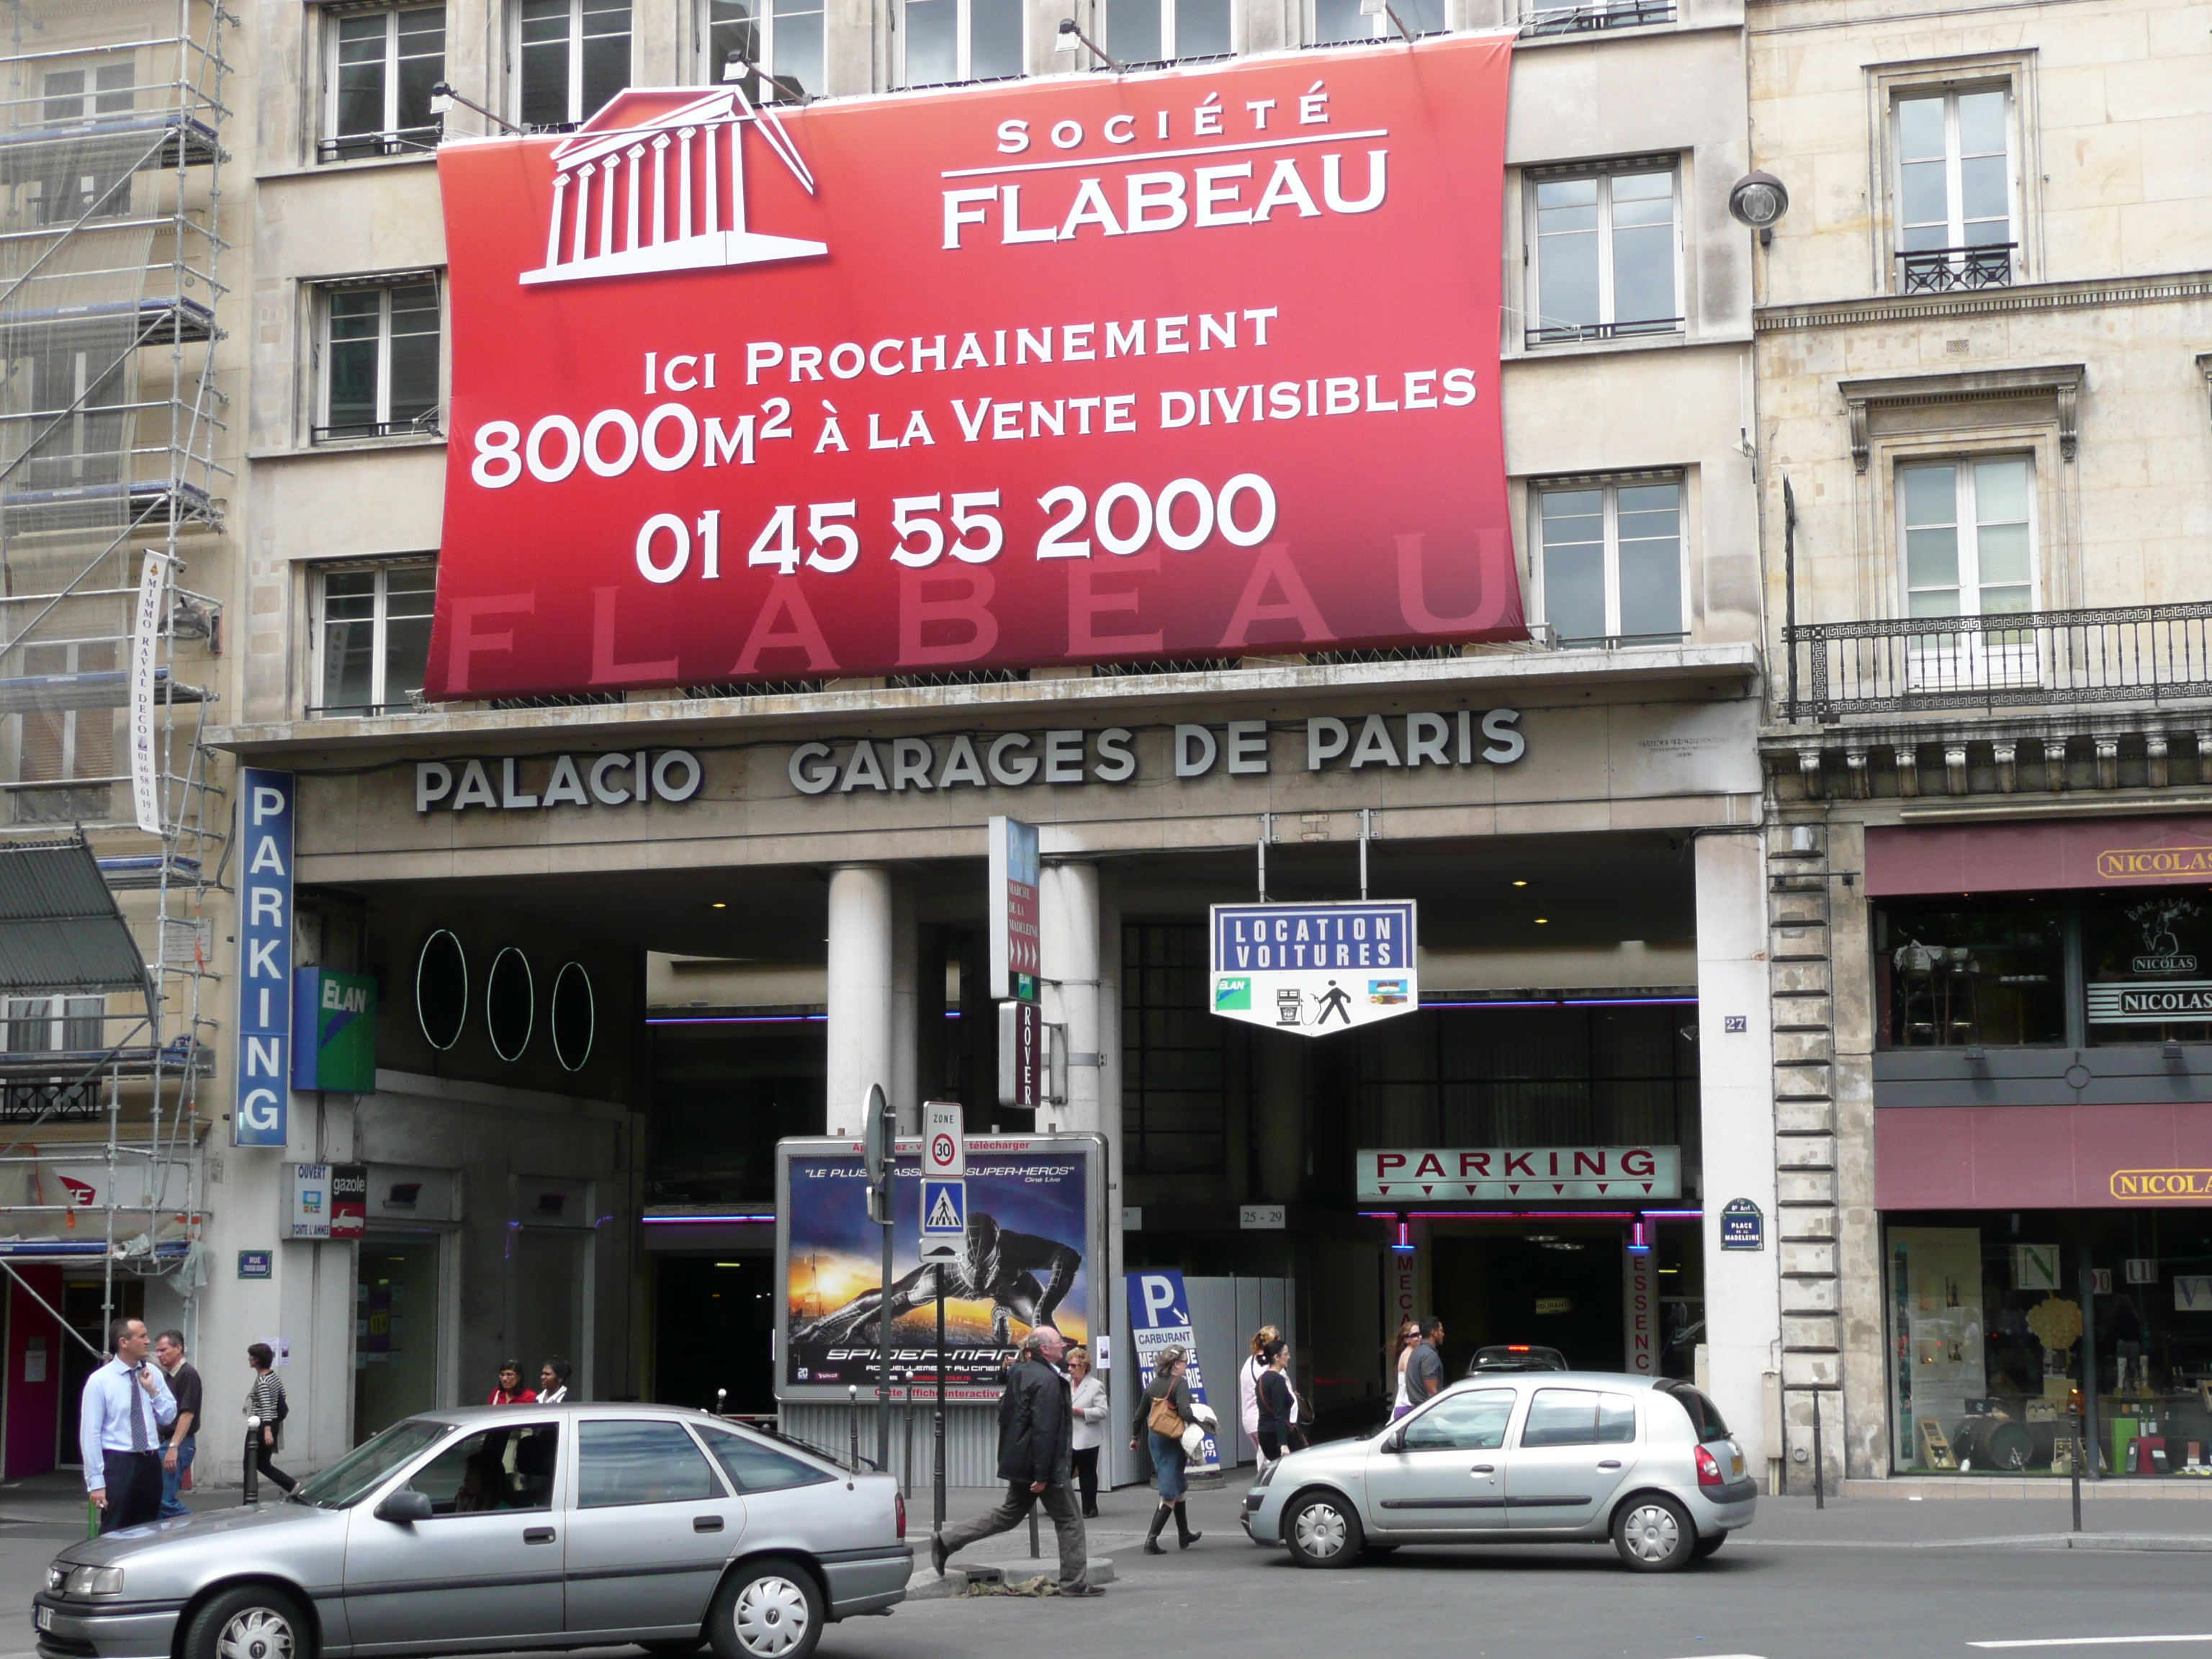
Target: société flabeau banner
1196, 363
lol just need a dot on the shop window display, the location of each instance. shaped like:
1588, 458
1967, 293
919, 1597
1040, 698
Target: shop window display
1956, 972
1989, 1342
2147, 962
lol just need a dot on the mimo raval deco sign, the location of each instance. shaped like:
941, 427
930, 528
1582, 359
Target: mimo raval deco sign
1196, 362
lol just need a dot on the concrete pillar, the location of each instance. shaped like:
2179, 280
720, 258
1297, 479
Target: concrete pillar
904, 1081
1279, 1112
1736, 1106
862, 1027
1067, 924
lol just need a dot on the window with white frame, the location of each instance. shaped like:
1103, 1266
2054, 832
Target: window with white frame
371, 635
574, 56
770, 48
1955, 198
45, 1025
65, 757
1968, 531
380, 349
1611, 562
92, 180
1350, 20
380, 68
951, 41
1606, 255
1162, 31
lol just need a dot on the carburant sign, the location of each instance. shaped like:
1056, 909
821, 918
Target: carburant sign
1191, 363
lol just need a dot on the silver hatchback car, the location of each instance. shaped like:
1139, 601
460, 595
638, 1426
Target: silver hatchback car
1526, 1457
503, 1527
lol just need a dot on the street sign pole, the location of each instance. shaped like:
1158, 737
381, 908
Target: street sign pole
944, 1153
882, 1145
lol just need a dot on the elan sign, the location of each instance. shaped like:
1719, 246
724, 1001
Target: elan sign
1197, 362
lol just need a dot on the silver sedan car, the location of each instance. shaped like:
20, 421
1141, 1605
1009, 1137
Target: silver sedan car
503, 1527
1527, 1457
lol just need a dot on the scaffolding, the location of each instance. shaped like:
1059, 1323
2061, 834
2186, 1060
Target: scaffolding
113, 428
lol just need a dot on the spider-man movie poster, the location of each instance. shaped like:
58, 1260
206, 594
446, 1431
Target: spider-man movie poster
1023, 1262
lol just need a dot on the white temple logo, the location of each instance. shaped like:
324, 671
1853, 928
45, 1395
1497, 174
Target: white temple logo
669, 195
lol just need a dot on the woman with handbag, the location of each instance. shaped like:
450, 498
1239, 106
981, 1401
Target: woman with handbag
1164, 1414
1278, 1405
1087, 1400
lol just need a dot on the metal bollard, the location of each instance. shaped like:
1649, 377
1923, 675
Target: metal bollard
852, 1399
1034, 1550
1820, 1459
253, 1459
720, 1394
2080, 1450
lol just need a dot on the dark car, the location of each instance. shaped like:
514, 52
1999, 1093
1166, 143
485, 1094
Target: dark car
1515, 1357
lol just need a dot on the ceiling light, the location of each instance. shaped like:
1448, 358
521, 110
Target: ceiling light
1543, 921
719, 904
1520, 884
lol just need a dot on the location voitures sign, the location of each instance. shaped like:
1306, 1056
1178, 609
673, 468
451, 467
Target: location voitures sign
1195, 362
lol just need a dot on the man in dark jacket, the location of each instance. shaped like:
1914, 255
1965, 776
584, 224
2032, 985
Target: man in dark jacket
1036, 1426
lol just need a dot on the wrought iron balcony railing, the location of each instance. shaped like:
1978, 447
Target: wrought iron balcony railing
1546, 334
1578, 15
1950, 269
1908, 664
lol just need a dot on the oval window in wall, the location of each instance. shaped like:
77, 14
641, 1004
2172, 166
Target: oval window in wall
510, 1003
573, 1020
441, 990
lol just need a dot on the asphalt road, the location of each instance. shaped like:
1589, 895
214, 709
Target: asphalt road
1870, 1578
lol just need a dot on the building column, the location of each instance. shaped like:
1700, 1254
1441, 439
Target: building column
862, 958
1736, 1114
1067, 926
903, 1081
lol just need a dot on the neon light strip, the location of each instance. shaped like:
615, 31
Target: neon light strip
706, 1220
1573, 1002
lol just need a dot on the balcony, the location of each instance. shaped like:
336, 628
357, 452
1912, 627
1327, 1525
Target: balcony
1955, 270
1579, 18
1547, 334
361, 146
2150, 653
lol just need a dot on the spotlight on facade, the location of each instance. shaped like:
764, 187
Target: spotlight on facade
1759, 200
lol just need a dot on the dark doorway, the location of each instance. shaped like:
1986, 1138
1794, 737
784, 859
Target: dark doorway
1557, 1285
714, 1323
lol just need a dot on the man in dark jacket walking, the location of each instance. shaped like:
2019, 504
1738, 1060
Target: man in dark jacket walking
1036, 1426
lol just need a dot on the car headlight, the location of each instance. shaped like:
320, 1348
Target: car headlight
56, 1575
95, 1581
1266, 1475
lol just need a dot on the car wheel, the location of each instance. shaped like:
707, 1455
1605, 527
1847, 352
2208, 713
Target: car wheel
250, 1622
770, 1610
1707, 1545
1653, 1535
1323, 1531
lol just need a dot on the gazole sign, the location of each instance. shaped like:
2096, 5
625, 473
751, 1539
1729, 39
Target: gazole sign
1315, 968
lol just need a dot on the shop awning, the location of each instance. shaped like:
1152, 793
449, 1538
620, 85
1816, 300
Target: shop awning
59, 926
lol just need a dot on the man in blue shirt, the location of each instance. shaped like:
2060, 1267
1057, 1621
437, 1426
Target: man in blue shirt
126, 1405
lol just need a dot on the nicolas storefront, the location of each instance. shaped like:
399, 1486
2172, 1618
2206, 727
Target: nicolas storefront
2042, 1000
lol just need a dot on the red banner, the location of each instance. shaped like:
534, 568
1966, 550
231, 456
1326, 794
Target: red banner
1195, 363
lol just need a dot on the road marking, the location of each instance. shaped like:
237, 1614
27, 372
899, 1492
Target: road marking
2087, 1641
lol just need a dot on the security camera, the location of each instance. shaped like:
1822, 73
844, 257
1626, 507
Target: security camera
1759, 200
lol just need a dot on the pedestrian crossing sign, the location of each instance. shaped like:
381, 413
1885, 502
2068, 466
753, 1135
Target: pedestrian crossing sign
944, 1218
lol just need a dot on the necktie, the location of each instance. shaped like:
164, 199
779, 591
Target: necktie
138, 1442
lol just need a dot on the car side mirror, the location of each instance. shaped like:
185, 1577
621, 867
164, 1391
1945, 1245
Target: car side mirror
1395, 1441
403, 1506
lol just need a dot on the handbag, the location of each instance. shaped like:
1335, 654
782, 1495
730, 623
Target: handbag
1164, 1420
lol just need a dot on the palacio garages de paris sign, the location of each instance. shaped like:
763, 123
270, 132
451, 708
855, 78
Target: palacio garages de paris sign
1089, 368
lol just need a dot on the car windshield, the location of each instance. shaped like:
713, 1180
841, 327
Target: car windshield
364, 1468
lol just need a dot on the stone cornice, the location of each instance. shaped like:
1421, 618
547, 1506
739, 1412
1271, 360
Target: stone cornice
1978, 303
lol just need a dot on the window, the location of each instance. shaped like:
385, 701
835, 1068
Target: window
962, 40
1954, 192
752, 1466
45, 1025
1955, 971
1174, 1070
1605, 256
1579, 1417
1705, 1420
2146, 957
1574, 17
381, 375
502, 1468
59, 744
1343, 20
1969, 538
1161, 31
374, 628
640, 1462
79, 419
1612, 563
382, 66
1463, 1422
771, 48
94, 180
574, 56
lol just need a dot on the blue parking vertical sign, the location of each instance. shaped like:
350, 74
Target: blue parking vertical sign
264, 958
